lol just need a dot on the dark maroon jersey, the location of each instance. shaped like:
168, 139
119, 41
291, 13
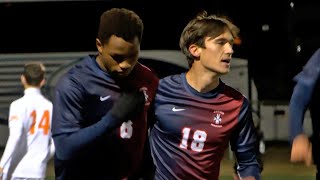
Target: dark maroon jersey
84, 95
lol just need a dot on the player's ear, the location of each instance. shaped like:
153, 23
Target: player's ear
195, 50
42, 82
99, 46
23, 80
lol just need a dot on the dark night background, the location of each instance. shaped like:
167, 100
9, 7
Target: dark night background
273, 59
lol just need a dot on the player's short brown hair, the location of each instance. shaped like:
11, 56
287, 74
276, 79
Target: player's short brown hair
34, 73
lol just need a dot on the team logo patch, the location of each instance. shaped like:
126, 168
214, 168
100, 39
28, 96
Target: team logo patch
174, 109
217, 118
104, 98
146, 97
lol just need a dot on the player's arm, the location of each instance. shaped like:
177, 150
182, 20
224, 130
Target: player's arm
69, 138
52, 149
151, 115
297, 107
15, 132
1, 173
301, 149
302, 94
243, 143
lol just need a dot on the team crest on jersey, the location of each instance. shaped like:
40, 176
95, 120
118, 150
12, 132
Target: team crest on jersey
146, 97
217, 118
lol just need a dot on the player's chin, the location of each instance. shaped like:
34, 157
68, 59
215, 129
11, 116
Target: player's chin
121, 75
224, 71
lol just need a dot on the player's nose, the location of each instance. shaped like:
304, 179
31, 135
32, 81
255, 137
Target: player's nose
125, 65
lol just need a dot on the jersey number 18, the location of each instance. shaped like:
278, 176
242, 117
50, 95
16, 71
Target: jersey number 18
197, 144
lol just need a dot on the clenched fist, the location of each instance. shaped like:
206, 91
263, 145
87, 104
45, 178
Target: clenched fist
301, 150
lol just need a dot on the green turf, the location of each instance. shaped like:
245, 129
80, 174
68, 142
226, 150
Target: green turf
276, 167
262, 178
276, 178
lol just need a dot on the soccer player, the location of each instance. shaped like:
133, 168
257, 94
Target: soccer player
306, 96
29, 146
100, 108
197, 115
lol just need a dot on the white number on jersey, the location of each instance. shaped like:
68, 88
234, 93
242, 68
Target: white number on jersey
197, 144
126, 130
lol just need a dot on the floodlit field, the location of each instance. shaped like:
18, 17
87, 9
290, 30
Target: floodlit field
276, 166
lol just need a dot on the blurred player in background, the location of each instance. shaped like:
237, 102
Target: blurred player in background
197, 115
29, 146
101, 104
306, 96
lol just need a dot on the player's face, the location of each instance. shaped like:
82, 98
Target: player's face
118, 56
216, 56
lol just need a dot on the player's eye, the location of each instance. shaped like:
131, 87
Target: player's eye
118, 58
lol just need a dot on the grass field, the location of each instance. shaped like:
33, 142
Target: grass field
276, 166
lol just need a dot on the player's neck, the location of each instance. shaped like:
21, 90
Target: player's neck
202, 82
100, 64
27, 86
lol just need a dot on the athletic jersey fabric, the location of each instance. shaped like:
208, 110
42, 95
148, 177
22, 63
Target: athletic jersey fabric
193, 130
88, 147
306, 95
307, 82
28, 148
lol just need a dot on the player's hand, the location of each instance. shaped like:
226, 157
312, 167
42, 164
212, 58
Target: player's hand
128, 104
1, 173
301, 150
236, 177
